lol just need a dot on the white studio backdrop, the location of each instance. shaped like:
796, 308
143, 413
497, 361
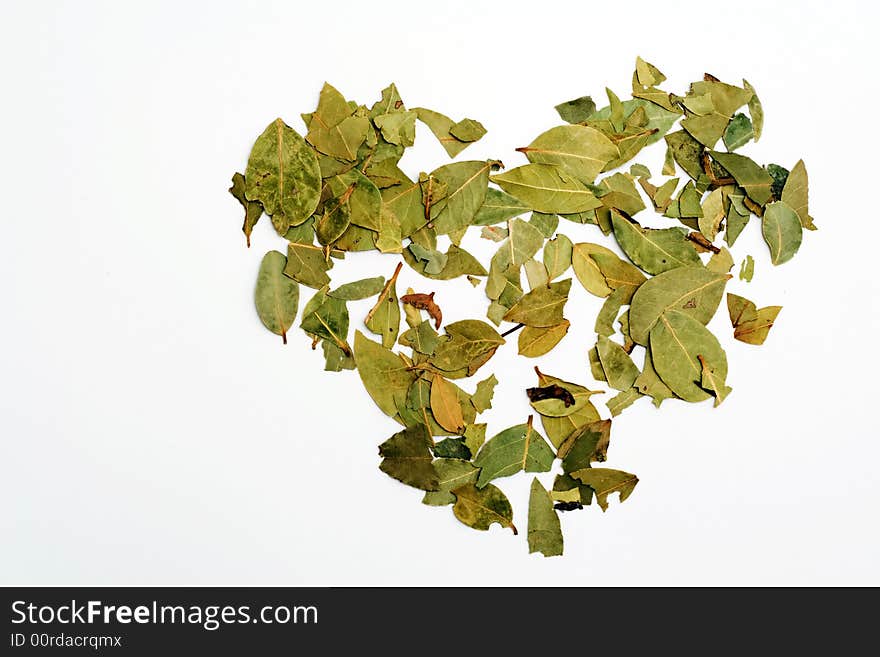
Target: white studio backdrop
152, 432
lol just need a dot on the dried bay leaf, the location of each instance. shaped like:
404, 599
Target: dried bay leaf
361, 289
468, 130
523, 241
422, 338
406, 456
386, 376
480, 508
654, 250
384, 318
709, 381
516, 449
328, 321
617, 272
605, 481
782, 231
252, 209
498, 206
536, 274
441, 125
458, 262
579, 150
466, 184
541, 307
620, 371
676, 341
749, 175
545, 188
544, 532
557, 256
650, 384
451, 474
738, 132
471, 342
445, 405
721, 262
695, 291
283, 175
556, 406
587, 270
577, 110
276, 296
545, 223
308, 265
334, 129
794, 194
747, 269
535, 341
750, 325
482, 397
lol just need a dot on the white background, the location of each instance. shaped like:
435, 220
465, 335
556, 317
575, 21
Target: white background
152, 432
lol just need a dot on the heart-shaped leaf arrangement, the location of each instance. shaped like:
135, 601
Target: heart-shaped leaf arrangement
339, 189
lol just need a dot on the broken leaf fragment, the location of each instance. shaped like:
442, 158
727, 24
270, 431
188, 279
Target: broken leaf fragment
605, 482
545, 532
406, 456
782, 231
750, 324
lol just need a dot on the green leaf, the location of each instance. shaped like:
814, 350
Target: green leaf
306, 264
795, 193
276, 296
579, 150
750, 325
405, 202
649, 382
755, 110
523, 241
481, 508
623, 400
654, 250
541, 307
365, 201
695, 291
676, 341
557, 407
545, 223
557, 256
329, 321
422, 338
397, 127
584, 446
782, 231
471, 343
749, 175
515, 449
282, 174
577, 110
468, 130
361, 289
498, 206
385, 375
546, 188
545, 533
445, 406
587, 270
710, 381
482, 397
440, 125
558, 429
466, 184
605, 482
686, 151
451, 474
406, 456
537, 341
738, 133
334, 129
620, 371
747, 269
384, 318
252, 209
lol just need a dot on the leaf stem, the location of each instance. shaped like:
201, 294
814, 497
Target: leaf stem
513, 330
